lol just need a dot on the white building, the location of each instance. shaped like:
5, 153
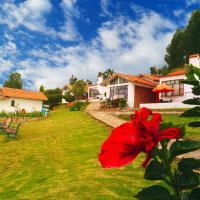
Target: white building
181, 91
12, 100
98, 90
135, 89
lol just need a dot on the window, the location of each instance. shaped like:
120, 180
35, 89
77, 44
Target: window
122, 80
12, 103
119, 92
178, 88
114, 81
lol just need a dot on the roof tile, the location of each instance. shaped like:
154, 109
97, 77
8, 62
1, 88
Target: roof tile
24, 94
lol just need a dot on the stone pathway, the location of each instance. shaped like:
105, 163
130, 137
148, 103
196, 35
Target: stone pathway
108, 118
93, 109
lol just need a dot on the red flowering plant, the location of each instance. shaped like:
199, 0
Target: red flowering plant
144, 133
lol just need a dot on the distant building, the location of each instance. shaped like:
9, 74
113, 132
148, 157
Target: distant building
12, 100
181, 91
137, 89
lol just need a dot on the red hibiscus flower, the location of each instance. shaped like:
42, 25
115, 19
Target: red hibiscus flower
129, 139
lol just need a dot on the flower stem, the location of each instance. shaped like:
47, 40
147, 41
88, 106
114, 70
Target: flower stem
170, 174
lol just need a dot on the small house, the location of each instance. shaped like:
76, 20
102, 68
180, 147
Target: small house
12, 100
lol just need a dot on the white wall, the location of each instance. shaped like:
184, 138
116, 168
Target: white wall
27, 104
165, 105
187, 89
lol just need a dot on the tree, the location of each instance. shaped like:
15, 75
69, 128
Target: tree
69, 97
42, 89
175, 56
192, 34
14, 81
106, 74
184, 43
72, 80
79, 89
54, 97
153, 70
89, 82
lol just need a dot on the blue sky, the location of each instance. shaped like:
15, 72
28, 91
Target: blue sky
49, 40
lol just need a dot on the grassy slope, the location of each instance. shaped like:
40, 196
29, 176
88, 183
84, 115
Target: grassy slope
56, 158
190, 132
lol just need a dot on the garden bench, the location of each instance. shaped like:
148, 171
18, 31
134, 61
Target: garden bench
4, 125
12, 132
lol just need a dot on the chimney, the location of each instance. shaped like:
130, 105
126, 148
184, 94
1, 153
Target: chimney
194, 60
99, 80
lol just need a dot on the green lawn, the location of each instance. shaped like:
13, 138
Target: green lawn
56, 158
191, 133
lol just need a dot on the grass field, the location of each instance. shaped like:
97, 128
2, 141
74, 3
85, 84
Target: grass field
56, 158
191, 133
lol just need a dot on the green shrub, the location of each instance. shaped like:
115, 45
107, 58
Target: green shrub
193, 78
78, 106
20, 114
122, 103
114, 103
119, 103
69, 97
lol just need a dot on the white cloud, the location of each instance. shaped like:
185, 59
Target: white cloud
122, 44
192, 2
32, 15
105, 8
110, 38
69, 3
29, 14
179, 12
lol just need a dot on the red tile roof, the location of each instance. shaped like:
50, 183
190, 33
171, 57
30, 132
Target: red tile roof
153, 77
131, 78
24, 94
177, 72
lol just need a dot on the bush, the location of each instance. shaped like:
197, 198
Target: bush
105, 103
54, 97
114, 103
122, 103
69, 97
20, 114
78, 106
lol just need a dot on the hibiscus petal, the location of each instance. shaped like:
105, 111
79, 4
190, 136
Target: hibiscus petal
170, 133
153, 124
144, 113
122, 147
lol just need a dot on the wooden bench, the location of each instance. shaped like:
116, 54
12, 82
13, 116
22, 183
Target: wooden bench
12, 132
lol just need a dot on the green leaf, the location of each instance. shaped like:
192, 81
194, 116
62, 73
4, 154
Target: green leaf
194, 124
188, 164
155, 192
194, 101
182, 147
194, 112
154, 171
195, 194
196, 90
190, 82
188, 180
